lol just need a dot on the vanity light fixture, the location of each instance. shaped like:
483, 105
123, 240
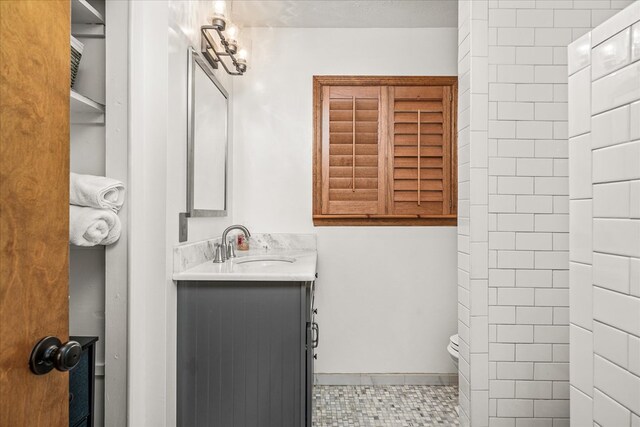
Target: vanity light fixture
225, 50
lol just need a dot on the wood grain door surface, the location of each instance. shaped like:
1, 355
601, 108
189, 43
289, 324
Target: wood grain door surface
34, 211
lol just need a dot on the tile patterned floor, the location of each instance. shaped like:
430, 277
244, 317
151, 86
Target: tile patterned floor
385, 406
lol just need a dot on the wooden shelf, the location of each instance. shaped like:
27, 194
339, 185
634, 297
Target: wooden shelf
82, 104
85, 111
83, 13
87, 31
87, 248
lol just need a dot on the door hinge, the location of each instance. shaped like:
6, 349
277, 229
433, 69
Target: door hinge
450, 96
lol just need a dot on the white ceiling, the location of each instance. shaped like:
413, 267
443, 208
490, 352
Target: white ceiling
345, 13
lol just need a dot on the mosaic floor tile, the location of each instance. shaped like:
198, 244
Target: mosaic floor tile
382, 406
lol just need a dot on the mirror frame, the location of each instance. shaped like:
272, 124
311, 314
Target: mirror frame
194, 61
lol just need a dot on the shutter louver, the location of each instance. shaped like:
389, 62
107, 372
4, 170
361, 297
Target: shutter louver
421, 149
351, 151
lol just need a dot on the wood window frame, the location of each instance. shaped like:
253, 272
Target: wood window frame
319, 82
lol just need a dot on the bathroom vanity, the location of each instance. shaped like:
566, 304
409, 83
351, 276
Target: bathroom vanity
246, 338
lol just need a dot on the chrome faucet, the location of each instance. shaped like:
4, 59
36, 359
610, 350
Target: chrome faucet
225, 253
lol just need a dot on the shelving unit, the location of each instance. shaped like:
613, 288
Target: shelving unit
87, 22
87, 265
98, 275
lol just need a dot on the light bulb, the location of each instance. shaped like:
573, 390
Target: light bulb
232, 32
219, 8
241, 61
218, 20
244, 53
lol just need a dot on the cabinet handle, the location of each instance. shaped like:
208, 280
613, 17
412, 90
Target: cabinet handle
316, 330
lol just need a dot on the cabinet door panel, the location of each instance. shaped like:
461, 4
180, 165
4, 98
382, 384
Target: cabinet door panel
241, 354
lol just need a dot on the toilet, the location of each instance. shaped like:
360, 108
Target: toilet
452, 348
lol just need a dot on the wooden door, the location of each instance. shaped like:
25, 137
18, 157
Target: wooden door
34, 211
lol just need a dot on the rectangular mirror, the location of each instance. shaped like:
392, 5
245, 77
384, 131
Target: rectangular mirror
207, 140
208, 104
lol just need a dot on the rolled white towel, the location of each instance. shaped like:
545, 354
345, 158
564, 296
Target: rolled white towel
91, 226
96, 192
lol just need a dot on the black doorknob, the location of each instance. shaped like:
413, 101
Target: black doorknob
50, 353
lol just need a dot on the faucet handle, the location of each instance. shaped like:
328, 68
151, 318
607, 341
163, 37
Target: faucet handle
231, 248
218, 257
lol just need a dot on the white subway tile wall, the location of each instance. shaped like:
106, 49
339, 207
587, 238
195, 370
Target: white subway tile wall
611, 54
464, 209
473, 220
514, 204
604, 233
528, 206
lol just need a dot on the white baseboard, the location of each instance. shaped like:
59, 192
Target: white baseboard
386, 379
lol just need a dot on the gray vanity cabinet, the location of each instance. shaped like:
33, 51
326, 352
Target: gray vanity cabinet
245, 354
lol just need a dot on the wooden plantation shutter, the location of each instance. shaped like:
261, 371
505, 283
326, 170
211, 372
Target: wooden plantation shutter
351, 152
420, 123
385, 151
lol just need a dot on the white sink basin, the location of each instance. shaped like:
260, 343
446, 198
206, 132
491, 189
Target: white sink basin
264, 259
267, 266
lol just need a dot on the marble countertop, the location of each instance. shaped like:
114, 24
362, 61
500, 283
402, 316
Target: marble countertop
303, 269
192, 261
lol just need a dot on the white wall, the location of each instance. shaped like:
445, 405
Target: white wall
161, 32
604, 188
386, 296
